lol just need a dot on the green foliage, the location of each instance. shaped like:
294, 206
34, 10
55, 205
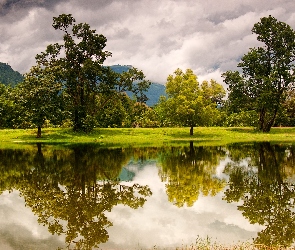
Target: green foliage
187, 103
267, 72
11, 110
89, 86
241, 119
78, 64
40, 95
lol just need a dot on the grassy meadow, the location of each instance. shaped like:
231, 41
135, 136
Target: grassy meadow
126, 137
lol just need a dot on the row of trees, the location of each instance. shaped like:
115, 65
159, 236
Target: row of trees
70, 86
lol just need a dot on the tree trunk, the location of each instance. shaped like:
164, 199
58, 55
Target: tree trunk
264, 124
191, 132
39, 131
261, 119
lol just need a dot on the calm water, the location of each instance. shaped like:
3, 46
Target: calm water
79, 197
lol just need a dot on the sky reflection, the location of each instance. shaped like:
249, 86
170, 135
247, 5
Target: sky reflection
158, 223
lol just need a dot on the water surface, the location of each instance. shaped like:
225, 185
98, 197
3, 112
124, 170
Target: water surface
138, 198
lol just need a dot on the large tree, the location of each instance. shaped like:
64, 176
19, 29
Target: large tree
79, 61
267, 72
80, 66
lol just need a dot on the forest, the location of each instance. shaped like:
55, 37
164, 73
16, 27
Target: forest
69, 86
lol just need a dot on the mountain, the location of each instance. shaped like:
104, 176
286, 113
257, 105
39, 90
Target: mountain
154, 92
8, 76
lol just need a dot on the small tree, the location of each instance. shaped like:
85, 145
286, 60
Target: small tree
187, 103
40, 95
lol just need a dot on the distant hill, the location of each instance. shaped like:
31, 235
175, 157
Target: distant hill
8, 76
154, 92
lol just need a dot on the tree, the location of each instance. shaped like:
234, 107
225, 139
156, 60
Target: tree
267, 72
40, 95
188, 104
184, 103
79, 66
7, 107
213, 92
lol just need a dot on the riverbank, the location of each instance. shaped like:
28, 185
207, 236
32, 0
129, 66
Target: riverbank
125, 137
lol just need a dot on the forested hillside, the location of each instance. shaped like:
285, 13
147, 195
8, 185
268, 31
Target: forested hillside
8, 76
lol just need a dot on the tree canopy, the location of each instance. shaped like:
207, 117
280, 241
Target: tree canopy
267, 72
188, 103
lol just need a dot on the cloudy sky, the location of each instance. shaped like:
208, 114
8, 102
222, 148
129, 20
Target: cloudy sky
155, 36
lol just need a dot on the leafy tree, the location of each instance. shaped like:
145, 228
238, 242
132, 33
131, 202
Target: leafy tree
12, 113
213, 92
78, 64
40, 95
115, 111
267, 72
188, 103
286, 115
6, 107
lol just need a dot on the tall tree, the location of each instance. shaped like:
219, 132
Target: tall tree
267, 71
79, 61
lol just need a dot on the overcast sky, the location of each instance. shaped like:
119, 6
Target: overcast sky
157, 37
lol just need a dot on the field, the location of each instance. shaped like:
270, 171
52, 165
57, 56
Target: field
126, 137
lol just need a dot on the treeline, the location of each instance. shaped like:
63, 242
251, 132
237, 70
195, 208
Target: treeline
70, 87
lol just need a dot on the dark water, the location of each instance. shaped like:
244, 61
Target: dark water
137, 198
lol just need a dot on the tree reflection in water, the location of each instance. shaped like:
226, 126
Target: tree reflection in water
262, 184
190, 171
61, 188
71, 190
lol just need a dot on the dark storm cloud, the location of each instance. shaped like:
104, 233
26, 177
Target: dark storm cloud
8, 6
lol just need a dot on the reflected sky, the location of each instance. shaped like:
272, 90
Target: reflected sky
19, 228
158, 223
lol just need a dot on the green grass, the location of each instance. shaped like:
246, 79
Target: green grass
124, 137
